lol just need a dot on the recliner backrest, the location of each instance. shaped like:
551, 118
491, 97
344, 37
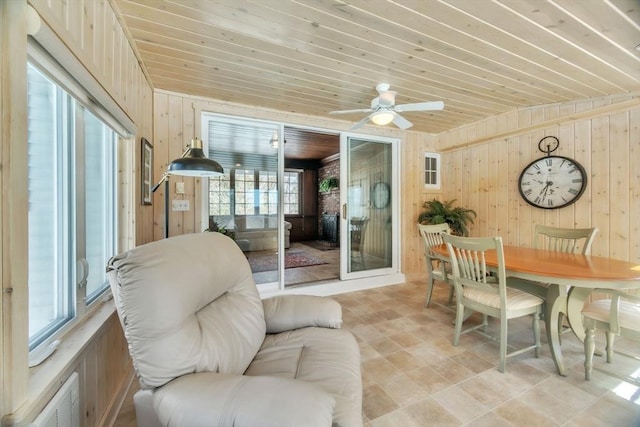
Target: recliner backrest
187, 304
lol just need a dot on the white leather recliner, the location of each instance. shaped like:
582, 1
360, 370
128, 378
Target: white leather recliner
208, 351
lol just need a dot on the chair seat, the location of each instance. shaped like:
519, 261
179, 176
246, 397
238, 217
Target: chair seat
327, 358
517, 299
600, 310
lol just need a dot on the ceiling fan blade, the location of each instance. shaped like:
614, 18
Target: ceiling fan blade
360, 123
401, 122
420, 106
362, 110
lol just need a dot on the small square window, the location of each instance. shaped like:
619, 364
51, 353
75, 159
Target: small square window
432, 171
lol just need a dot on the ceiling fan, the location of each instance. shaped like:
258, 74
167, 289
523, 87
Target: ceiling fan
384, 111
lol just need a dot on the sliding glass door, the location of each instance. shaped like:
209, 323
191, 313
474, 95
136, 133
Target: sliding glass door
368, 220
245, 202
264, 205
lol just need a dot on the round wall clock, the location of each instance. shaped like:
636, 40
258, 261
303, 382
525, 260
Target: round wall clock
552, 182
380, 195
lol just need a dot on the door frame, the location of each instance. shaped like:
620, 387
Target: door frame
345, 253
345, 283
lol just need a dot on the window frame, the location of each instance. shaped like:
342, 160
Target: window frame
433, 172
299, 194
257, 191
70, 150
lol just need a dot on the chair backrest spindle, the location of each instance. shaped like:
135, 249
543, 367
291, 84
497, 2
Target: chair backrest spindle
578, 240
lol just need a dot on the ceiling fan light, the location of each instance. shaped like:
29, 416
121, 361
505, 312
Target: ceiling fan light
383, 117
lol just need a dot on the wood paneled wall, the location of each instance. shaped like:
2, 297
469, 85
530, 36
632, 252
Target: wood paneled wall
91, 30
482, 163
413, 196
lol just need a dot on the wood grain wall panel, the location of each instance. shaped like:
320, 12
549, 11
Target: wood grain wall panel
527, 151
13, 207
161, 159
600, 183
481, 181
619, 186
634, 184
607, 145
582, 150
190, 220
88, 371
517, 149
176, 143
413, 197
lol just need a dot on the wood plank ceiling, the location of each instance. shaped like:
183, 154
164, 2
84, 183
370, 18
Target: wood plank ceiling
481, 57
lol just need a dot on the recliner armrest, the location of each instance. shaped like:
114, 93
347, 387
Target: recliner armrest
208, 398
288, 312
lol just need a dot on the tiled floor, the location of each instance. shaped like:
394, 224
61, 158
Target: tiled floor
414, 376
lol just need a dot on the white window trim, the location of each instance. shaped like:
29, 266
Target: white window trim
56, 69
438, 184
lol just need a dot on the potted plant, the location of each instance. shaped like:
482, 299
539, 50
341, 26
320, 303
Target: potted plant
437, 212
328, 183
214, 226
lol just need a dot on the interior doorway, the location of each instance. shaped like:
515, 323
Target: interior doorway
314, 254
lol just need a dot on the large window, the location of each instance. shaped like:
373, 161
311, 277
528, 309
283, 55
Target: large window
252, 193
245, 186
72, 209
291, 191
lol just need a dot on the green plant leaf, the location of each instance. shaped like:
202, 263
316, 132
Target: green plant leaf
437, 212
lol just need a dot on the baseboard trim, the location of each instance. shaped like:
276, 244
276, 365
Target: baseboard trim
337, 286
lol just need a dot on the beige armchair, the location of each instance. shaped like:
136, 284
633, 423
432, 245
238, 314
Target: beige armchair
208, 351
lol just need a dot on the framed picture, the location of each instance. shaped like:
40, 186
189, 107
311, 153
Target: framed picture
147, 172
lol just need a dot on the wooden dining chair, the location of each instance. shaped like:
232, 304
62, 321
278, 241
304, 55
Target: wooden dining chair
575, 240
476, 290
358, 233
619, 314
438, 267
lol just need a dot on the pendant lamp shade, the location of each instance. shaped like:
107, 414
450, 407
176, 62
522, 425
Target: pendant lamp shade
195, 163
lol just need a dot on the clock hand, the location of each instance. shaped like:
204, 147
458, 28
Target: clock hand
544, 189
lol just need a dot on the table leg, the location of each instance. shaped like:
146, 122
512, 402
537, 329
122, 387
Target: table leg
556, 303
575, 303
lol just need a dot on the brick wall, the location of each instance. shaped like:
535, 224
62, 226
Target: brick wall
328, 202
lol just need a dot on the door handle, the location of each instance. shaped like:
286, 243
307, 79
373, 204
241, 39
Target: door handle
344, 210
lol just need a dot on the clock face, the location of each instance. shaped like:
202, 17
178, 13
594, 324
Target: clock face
380, 195
552, 182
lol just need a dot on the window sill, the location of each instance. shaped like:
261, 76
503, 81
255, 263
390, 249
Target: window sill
47, 377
